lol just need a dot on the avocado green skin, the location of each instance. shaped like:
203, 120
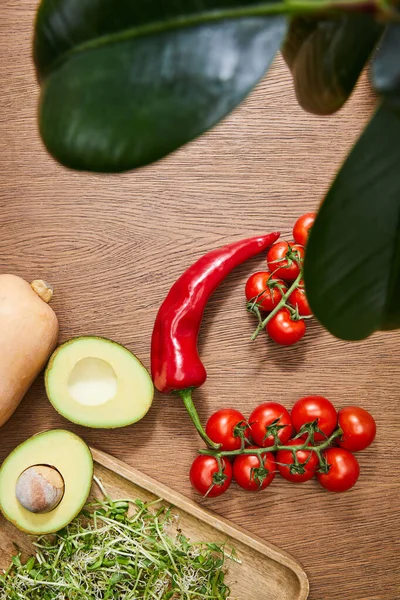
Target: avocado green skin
50, 365
15, 523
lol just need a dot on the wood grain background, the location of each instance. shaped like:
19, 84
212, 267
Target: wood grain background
113, 245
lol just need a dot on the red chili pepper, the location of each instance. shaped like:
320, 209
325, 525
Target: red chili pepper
175, 361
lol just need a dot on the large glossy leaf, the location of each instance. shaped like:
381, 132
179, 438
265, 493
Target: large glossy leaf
352, 265
386, 67
326, 58
124, 83
300, 28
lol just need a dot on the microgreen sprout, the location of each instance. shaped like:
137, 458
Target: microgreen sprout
124, 549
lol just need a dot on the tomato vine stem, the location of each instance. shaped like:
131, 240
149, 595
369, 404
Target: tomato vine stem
219, 454
282, 304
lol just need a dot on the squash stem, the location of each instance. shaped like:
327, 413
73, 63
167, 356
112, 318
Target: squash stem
43, 289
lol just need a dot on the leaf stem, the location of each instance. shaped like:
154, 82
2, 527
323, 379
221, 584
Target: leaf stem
267, 9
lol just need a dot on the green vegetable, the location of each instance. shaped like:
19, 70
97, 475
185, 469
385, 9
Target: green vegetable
111, 552
95, 382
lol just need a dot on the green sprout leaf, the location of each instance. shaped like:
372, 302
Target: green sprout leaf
352, 264
326, 58
125, 549
125, 83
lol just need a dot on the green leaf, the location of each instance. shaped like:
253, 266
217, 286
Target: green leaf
352, 263
386, 67
300, 28
124, 83
329, 59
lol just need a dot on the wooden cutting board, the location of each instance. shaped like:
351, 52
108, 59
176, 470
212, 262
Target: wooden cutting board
264, 571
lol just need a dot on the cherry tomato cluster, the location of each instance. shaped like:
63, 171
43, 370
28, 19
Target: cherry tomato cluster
280, 291
313, 440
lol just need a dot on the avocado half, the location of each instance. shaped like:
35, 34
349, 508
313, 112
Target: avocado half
96, 382
70, 459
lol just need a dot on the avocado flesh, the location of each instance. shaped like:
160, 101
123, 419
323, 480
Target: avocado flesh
62, 450
96, 382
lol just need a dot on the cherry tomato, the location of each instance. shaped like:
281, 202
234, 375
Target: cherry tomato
359, 428
264, 415
205, 478
225, 427
253, 474
313, 408
301, 229
264, 290
343, 473
283, 329
307, 459
298, 299
283, 260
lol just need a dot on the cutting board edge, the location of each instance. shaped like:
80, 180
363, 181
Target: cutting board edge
189, 506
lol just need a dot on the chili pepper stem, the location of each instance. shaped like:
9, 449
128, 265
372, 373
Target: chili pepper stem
277, 308
186, 396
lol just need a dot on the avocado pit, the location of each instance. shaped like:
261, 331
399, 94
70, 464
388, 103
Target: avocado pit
40, 489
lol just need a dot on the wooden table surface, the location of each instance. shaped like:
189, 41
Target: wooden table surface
113, 245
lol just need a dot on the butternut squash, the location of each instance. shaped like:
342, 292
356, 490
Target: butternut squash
28, 335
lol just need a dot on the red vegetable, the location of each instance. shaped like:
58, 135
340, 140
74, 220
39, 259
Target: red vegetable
298, 299
302, 227
227, 427
285, 329
358, 426
206, 478
265, 415
343, 472
253, 473
175, 361
284, 260
264, 290
305, 469
311, 408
